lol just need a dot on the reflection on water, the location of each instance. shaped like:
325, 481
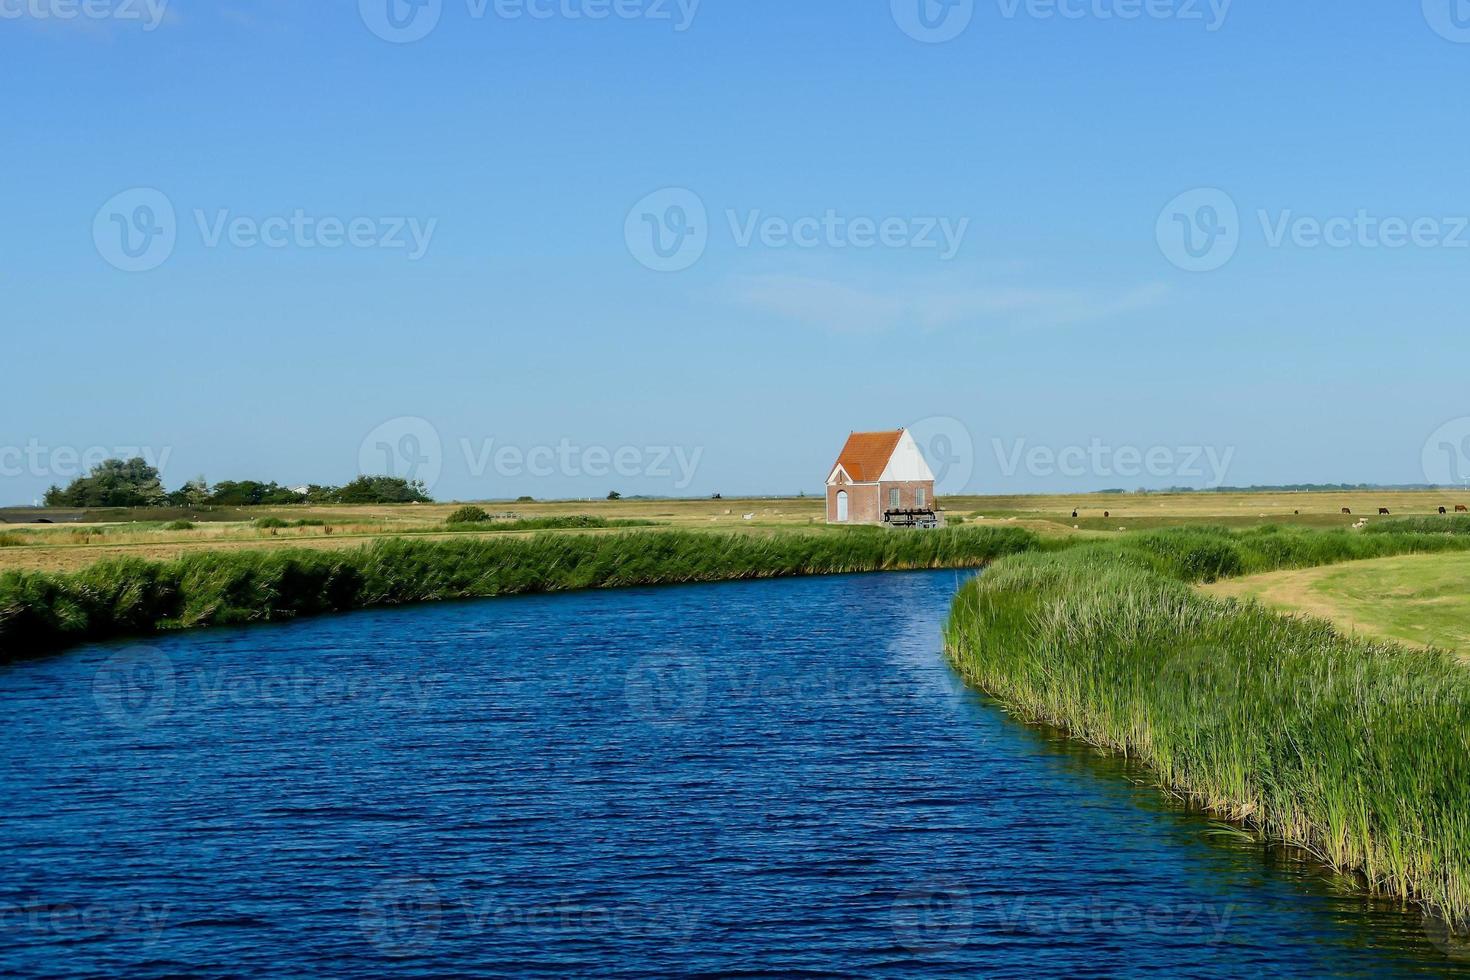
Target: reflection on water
774, 777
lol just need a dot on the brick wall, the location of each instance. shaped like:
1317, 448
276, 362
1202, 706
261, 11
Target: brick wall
867, 502
907, 496
862, 504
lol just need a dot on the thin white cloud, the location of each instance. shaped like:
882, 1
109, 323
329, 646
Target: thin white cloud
844, 308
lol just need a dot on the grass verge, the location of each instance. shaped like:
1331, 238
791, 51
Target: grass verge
1422, 525
569, 522
1354, 750
40, 611
1422, 600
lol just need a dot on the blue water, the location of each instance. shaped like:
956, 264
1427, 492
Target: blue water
779, 778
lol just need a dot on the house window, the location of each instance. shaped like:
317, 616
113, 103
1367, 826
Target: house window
893, 499
919, 499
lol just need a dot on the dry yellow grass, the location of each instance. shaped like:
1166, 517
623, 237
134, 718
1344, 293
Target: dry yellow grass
73, 546
1315, 509
69, 547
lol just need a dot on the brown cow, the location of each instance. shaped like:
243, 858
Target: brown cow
1107, 513
1348, 511
1383, 512
1461, 509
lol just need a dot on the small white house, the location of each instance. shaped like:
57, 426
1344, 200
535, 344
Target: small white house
881, 478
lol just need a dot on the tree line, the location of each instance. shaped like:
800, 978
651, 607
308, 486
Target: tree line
135, 483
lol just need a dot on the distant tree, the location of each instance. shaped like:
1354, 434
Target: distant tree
525, 500
114, 483
253, 493
195, 493
237, 493
468, 515
718, 496
277, 494
614, 496
383, 490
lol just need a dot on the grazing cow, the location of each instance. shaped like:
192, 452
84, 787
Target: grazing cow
1461, 509
1107, 513
1443, 511
1384, 512
1348, 511
1074, 513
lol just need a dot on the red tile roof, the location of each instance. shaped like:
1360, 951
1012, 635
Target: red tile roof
867, 453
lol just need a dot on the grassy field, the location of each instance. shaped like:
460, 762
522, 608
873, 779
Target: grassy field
91, 536
1422, 599
1138, 512
104, 535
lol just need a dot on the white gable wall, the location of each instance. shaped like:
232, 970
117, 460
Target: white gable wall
907, 465
833, 481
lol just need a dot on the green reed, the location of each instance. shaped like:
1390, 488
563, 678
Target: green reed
1357, 751
41, 611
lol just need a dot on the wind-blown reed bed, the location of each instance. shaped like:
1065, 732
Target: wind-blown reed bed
1422, 525
1357, 751
41, 611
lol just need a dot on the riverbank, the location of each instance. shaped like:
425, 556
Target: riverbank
797, 739
1352, 749
42, 611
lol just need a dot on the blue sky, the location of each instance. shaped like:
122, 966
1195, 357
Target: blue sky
521, 343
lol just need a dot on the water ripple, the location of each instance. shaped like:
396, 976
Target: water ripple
753, 780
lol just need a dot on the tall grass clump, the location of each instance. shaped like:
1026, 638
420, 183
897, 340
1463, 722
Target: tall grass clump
1357, 751
40, 611
565, 522
1421, 525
